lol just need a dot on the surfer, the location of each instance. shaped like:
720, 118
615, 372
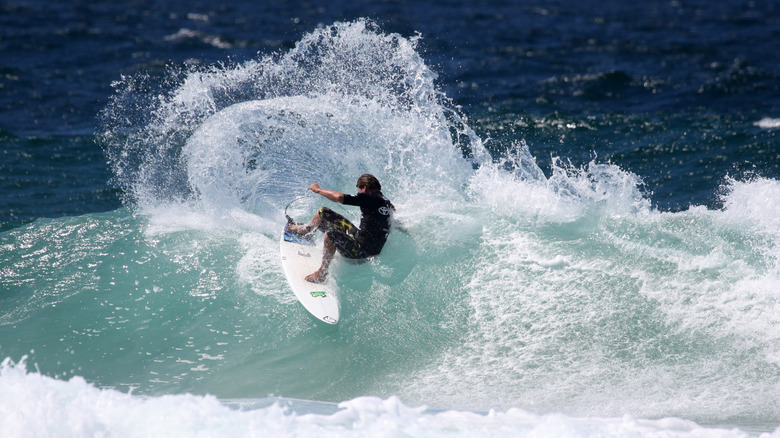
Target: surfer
340, 234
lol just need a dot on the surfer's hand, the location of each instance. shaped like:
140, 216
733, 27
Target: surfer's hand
329, 194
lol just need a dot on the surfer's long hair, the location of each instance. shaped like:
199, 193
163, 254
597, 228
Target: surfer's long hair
370, 182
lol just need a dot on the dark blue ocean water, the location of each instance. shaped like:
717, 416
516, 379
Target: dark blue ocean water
670, 90
147, 149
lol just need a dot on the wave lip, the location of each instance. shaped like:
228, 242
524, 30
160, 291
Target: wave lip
348, 64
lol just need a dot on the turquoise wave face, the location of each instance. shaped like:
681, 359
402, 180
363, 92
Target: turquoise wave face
468, 308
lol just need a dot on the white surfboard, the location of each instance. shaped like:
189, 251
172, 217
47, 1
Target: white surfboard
301, 257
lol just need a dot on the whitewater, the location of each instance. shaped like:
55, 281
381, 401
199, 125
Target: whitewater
510, 300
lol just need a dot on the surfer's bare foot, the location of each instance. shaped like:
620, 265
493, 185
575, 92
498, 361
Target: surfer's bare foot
318, 276
299, 230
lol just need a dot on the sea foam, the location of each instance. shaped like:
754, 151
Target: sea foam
36, 405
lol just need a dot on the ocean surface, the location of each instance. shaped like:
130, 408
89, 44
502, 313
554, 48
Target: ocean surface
587, 240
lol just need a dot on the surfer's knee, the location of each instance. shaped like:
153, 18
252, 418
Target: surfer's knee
320, 219
327, 218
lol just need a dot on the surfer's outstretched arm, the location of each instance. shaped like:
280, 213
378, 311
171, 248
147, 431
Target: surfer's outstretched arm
332, 195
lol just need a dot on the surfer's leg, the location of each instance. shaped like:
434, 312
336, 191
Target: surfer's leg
328, 251
324, 220
302, 230
339, 235
329, 220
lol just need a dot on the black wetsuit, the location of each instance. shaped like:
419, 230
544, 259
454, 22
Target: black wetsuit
375, 222
366, 240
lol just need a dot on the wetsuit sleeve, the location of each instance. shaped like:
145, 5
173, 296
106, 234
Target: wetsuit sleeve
350, 199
